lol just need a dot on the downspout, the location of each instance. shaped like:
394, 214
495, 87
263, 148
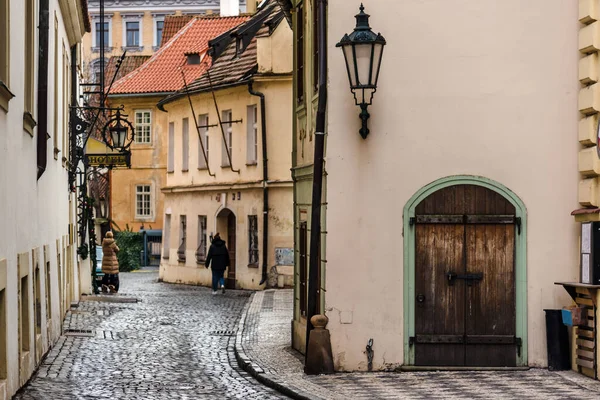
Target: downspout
42, 92
263, 129
315, 221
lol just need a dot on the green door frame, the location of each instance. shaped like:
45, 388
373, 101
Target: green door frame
409, 258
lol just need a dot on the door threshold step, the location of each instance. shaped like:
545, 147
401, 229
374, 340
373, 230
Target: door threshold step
415, 368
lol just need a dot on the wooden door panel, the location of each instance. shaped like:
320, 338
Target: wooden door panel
490, 303
441, 312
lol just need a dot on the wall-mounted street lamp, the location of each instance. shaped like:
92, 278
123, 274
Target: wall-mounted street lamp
363, 50
119, 128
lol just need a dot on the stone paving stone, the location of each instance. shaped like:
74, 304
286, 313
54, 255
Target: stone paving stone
158, 348
264, 345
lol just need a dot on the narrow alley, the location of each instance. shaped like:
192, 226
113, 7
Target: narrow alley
174, 343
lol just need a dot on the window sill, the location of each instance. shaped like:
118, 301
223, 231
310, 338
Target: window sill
5, 96
225, 166
202, 169
251, 164
107, 49
141, 146
171, 172
28, 123
132, 49
56, 151
185, 170
253, 265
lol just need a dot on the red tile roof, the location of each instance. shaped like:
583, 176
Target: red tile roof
172, 25
130, 63
161, 74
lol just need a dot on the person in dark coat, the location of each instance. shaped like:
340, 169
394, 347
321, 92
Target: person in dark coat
218, 259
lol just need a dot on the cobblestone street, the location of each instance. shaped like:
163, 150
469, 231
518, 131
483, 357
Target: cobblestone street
175, 343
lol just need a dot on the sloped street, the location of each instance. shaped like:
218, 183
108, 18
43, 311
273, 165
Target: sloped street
176, 342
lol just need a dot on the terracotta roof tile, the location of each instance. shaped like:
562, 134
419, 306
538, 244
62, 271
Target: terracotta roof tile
130, 63
173, 24
161, 73
231, 67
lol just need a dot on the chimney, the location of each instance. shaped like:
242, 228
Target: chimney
230, 8
251, 6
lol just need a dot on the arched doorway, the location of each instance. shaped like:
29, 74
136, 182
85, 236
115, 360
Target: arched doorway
465, 265
226, 226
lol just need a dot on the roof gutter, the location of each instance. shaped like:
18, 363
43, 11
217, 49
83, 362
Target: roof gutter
178, 95
263, 129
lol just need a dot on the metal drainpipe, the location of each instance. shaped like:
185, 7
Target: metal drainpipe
42, 91
315, 221
263, 128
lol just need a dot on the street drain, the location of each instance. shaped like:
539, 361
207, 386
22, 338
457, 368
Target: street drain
243, 294
222, 333
79, 332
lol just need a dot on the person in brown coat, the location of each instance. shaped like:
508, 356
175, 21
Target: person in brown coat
110, 264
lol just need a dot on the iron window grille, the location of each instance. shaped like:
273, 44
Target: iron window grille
182, 246
252, 240
202, 231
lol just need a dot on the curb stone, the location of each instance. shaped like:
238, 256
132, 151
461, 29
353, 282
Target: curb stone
256, 371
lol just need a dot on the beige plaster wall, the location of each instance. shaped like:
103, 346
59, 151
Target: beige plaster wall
148, 166
37, 215
195, 192
482, 88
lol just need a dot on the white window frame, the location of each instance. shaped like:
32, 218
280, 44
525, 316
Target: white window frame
203, 121
133, 18
107, 19
171, 148
149, 193
252, 135
142, 125
227, 115
157, 18
185, 144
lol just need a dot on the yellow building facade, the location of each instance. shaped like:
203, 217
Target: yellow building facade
227, 193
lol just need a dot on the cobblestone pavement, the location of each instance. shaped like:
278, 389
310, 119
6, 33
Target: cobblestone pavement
176, 343
264, 349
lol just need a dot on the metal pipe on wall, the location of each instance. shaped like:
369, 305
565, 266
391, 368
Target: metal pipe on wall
315, 222
263, 128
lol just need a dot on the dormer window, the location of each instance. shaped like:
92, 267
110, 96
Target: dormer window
193, 58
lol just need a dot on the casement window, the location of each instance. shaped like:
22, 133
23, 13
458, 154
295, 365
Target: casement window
300, 53
252, 240
143, 127
228, 127
29, 72
143, 201
203, 135
5, 94
185, 145
101, 33
315, 44
252, 135
159, 25
202, 233
167, 236
182, 238
132, 32
171, 144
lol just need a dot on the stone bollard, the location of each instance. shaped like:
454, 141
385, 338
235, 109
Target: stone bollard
319, 359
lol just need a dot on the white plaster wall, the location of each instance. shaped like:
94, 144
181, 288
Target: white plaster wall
483, 88
34, 213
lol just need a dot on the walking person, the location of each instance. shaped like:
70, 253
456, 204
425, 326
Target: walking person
218, 259
110, 264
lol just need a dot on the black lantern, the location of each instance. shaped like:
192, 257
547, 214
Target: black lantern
119, 127
363, 50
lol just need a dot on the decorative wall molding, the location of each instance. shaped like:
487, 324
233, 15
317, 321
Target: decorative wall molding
162, 4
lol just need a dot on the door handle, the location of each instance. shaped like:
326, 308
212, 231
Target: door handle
420, 298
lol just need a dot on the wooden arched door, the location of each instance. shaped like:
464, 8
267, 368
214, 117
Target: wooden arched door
465, 279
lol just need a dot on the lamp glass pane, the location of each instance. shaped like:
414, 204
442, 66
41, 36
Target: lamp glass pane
349, 58
377, 53
363, 62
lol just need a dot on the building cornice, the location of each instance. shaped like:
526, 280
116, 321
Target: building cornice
167, 5
220, 186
